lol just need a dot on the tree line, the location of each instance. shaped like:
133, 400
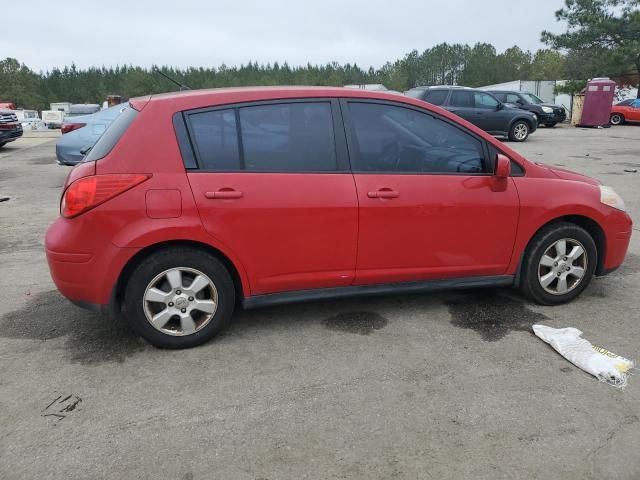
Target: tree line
443, 64
602, 38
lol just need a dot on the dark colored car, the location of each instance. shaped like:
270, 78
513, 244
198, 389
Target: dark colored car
480, 108
548, 114
193, 203
10, 127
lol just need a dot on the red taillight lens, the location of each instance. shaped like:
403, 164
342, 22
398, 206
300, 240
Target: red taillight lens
70, 127
89, 192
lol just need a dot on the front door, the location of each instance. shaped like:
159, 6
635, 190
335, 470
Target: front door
273, 186
429, 206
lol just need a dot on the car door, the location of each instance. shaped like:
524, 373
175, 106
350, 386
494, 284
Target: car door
429, 206
273, 187
633, 111
490, 117
462, 103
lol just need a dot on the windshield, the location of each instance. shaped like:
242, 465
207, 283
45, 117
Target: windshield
112, 134
531, 98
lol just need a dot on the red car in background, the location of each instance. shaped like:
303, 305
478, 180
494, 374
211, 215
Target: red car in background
626, 111
195, 202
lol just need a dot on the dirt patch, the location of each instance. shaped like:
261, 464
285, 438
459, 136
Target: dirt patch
491, 314
362, 323
90, 338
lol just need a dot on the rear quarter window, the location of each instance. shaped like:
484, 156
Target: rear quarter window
112, 134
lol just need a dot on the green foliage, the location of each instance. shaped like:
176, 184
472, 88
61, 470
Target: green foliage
602, 37
443, 64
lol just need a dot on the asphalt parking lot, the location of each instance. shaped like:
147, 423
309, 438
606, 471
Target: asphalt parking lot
448, 385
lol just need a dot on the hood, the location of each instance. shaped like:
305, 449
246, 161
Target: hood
565, 174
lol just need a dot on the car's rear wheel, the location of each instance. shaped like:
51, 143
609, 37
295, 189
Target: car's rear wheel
179, 297
616, 119
519, 131
558, 264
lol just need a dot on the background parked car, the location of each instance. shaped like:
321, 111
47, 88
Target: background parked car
625, 112
480, 108
547, 114
82, 132
10, 127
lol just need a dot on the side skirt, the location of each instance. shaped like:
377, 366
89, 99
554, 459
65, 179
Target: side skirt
256, 301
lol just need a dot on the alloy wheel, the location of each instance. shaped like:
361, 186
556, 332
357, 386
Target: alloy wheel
562, 266
616, 119
180, 301
520, 131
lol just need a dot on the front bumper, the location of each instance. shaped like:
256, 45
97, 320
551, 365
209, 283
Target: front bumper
556, 117
618, 236
11, 134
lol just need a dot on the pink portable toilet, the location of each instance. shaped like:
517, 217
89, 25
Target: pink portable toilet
598, 98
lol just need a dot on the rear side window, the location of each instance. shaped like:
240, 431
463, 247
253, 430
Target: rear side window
462, 98
415, 92
289, 137
436, 97
112, 134
216, 139
283, 137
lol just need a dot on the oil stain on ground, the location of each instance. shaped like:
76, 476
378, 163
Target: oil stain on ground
362, 323
491, 314
90, 338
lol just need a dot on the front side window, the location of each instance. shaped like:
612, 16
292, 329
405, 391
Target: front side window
289, 137
513, 98
388, 138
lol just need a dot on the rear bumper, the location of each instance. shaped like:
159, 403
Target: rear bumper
84, 267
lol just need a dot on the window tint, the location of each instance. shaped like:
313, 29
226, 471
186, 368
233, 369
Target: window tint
484, 100
500, 96
390, 138
462, 98
112, 135
436, 97
290, 137
216, 139
415, 92
513, 98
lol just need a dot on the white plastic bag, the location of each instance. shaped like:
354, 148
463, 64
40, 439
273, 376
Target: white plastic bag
598, 361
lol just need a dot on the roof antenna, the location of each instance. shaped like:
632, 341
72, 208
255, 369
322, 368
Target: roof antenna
181, 85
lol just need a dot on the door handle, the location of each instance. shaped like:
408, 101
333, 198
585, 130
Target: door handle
224, 193
383, 193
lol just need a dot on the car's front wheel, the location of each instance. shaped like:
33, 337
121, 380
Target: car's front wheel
558, 264
519, 131
616, 119
179, 297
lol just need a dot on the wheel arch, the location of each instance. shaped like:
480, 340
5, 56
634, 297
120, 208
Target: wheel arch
524, 118
592, 227
135, 260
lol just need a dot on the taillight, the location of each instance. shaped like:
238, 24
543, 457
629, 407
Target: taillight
89, 192
70, 127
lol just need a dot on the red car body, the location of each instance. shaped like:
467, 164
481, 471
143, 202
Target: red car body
292, 232
630, 113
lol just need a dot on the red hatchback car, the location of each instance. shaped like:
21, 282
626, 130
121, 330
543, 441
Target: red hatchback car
194, 202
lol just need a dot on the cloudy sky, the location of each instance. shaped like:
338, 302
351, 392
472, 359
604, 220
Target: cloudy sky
45, 33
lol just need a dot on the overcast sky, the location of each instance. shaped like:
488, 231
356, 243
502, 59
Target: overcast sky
46, 33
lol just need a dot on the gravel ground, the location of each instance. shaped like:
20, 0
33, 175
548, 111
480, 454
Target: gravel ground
448, 385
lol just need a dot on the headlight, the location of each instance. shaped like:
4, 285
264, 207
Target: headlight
547, 109
608, 196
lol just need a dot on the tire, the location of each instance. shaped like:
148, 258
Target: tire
519, 131
154, 290
616, 119
550, 125
537, 271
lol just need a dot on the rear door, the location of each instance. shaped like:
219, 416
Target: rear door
272, 185
429, 204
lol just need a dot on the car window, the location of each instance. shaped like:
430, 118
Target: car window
290, 137
513, 98
112, 135
388, 138
435, 97
484, 100
500, 96
215, 136
414, 92
462, 98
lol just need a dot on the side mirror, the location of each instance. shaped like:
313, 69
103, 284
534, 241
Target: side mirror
500, 106
503, 167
